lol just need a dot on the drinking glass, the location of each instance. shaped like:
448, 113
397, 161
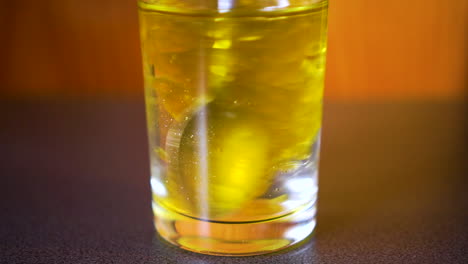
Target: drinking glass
233, 94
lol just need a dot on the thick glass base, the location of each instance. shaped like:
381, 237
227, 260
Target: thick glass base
235, 238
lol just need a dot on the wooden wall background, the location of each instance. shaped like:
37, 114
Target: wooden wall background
377, 49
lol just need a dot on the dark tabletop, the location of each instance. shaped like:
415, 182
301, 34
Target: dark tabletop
74, 186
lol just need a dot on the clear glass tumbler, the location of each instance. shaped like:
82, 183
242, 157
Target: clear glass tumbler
233, 94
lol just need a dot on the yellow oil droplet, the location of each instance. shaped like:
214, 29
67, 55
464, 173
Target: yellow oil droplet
222, 168
219, 70
222, 44
241, 165
250, 38
161, 154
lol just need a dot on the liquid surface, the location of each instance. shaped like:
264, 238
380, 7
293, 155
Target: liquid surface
234, 111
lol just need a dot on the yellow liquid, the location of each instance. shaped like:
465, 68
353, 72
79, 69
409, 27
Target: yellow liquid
232, 102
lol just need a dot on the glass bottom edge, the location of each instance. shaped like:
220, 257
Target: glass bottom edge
235, 239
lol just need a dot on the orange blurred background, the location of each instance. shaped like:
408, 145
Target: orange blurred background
377, 49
